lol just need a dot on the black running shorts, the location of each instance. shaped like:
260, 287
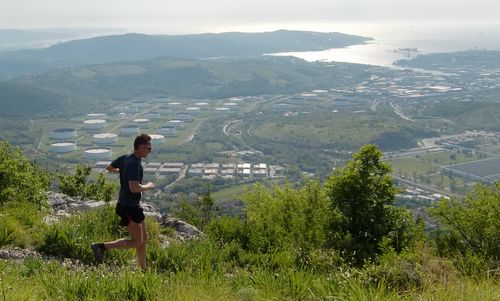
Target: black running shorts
127, 214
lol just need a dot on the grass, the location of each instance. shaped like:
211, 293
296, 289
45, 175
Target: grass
37, 280
211, 270
428, 166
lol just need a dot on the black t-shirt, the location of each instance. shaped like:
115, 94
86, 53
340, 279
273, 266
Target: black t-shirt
130, 170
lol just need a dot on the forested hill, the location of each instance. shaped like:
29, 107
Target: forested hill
82, 88
477, 59
131, 47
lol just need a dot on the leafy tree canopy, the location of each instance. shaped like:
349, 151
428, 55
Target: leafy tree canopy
20, 180
363, 193
470, 225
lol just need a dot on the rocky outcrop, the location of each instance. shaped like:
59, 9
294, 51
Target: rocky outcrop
16, 253
184, 231
63, 205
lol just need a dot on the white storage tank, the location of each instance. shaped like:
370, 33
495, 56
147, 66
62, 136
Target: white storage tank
193, 110
97, 116
131, 129
94, 124
130, 109
166, 130
202, 104
174, 104
157, 139
140, 103
142, 122
176, 123
222, 110
97, 153
165, 110
153, 115
186, 117
105, 138
64, 134
62, 147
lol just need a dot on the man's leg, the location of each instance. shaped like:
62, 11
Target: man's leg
141, 249
135, 240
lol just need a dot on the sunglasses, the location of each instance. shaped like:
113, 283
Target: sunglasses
148, 147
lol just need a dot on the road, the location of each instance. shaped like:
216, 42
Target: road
398, 112
424, 186
228, 124
181, 176
190, 137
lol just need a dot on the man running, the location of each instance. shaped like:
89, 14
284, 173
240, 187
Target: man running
128, 207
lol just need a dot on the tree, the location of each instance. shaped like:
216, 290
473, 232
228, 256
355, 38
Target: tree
363, 193
201, 212
20, 180
470, 225
76, 185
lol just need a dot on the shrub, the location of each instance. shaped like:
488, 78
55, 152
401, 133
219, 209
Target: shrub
225, 230
411, 269
20, 180
285, 218
76, 185
468, 229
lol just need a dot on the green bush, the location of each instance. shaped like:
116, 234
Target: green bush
468, 229
409, 270
76, 185
20, 180
225, 230
285, 218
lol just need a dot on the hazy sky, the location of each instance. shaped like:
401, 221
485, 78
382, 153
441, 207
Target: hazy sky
190, 16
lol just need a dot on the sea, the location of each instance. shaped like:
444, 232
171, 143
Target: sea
394, 41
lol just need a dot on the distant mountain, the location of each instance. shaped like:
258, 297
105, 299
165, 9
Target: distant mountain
133, 47
16, 39
485, 59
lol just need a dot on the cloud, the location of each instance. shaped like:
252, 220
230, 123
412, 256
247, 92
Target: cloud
178, 14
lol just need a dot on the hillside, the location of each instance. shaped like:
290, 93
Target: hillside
84, 87
343, 239
479, 59
131, 47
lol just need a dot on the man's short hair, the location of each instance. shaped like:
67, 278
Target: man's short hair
142, 139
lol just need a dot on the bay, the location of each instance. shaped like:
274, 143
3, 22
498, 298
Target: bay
389, 40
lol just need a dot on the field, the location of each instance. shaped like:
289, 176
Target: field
430, 169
